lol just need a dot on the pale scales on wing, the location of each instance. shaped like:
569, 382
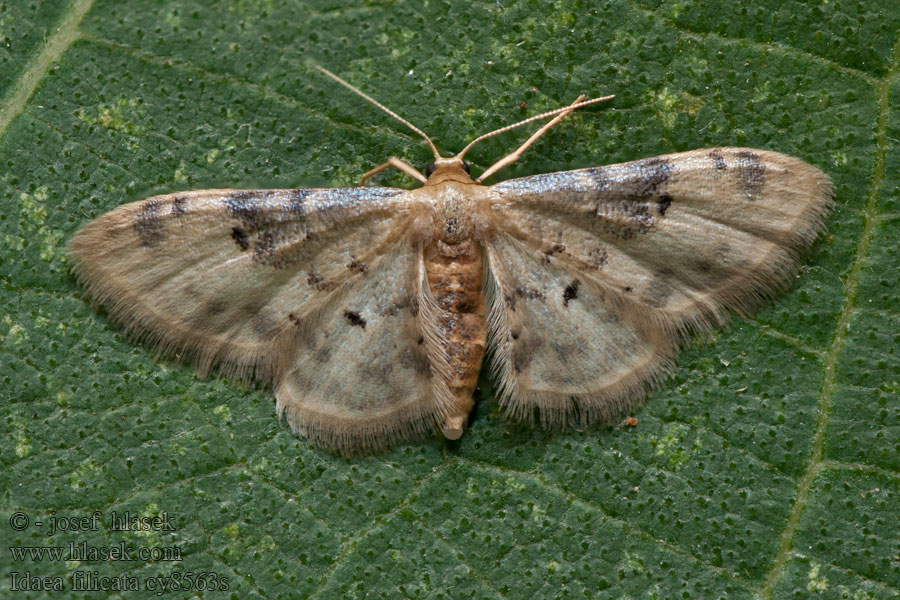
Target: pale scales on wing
370, 309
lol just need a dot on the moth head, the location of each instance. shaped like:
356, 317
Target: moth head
447, 169
429, 169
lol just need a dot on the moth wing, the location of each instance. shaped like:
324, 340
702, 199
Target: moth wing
657, 247
259, 281
363, 372
215, 275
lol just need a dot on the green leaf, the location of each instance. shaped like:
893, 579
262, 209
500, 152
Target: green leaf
767, 466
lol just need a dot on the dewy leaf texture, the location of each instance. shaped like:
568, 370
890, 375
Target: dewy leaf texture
767, 465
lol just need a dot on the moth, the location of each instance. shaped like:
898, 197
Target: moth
370, 309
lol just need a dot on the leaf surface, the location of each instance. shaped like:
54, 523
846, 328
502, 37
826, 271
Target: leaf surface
767, 465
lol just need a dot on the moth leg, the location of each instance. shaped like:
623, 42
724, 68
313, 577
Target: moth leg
396, 163
515, 154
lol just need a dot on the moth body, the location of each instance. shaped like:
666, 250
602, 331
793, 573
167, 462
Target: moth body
454, 266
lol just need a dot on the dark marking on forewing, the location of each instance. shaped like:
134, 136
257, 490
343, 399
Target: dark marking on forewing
240, 238
265, 248
256, 212
571, 292
718, 161
510, 301
750, 173
179, 204
357, 266
297, 205
528, 293
654, 172
148, 225
663, 202
355, 319
554, 249
629, 203
245, 205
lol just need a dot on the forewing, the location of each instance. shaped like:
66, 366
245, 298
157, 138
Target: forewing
665, 244
216, 276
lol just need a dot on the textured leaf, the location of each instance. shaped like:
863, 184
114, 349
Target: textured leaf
767, 466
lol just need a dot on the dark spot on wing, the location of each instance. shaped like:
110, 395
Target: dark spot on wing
148, 224
313, 278
529, 293
246, 206
654, 172
571, 292
178, 206
750, 173
718, 160
240, 237
447, 322
297, 204
293, 319
639, 220
663, 202
357, 266
265, 247
355, 319
600, 176
554, 249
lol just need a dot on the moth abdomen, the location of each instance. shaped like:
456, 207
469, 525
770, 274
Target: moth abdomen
455, 273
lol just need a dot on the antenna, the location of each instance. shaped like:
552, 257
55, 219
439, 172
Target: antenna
437, 154
565, 109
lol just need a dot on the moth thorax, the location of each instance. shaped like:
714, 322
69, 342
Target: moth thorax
453, 224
